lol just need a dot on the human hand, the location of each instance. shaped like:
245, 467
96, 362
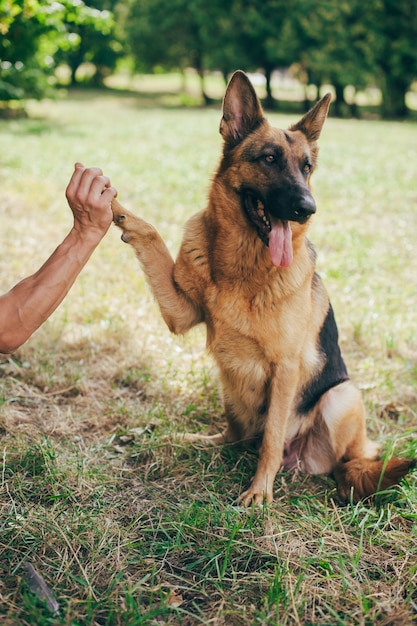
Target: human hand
89, 195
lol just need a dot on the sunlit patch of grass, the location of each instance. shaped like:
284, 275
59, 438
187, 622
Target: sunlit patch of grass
127, 525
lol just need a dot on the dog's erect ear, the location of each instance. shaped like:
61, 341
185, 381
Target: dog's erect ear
242, 111
312, 122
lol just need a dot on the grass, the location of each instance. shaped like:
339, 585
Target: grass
125, 527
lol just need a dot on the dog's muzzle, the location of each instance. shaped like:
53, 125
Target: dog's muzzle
291, 209
302, 210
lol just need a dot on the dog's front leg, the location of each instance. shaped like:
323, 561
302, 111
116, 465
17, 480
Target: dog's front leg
272, 448
178, 311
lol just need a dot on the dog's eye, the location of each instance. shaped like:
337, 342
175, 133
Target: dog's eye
307, 168
269, 158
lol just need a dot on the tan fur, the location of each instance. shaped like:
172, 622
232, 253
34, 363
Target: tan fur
263, 321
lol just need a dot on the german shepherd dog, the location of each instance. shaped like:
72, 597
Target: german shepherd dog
247, 270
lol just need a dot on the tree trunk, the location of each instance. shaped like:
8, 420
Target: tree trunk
74, 62
394, 91
204, 95
200, 71
340, 99
73, 77
269, 101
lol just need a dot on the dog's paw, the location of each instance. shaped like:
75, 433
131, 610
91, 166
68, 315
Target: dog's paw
124, 220
256, 497
118, 219
121, 217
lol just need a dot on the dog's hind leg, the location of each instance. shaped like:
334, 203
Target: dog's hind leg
357, 470
178, 311
343, 413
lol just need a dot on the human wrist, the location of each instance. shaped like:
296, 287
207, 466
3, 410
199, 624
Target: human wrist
79, 244
91, 235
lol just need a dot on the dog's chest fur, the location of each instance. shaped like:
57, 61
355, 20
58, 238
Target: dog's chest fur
252, 328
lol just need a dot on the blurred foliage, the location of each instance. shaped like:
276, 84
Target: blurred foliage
38, 35
338, 42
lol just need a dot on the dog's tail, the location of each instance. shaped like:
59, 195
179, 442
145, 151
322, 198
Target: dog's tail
360, 478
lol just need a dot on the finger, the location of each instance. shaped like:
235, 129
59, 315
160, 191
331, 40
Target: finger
108, 194
99, 184
74, 180
91, 181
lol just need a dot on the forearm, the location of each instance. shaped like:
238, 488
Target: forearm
25, 307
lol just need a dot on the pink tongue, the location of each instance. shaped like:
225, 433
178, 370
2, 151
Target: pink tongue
280, 243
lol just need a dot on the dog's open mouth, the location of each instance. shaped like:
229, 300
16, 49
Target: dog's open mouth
275, 233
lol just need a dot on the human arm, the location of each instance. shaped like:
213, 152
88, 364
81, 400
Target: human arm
29, 303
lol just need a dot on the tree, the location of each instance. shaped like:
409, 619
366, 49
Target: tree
335, 45
222, 47
158, 33
359, 43
23, 71
36, 35
87, 34
166, 33
176, 34
263, 30
395, 25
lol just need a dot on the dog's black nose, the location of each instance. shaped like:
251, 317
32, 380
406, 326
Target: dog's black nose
304, 208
